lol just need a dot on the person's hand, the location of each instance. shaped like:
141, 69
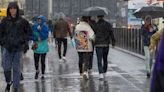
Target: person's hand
39, 28
151, 50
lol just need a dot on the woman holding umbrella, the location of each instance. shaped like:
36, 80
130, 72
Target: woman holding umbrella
148, 29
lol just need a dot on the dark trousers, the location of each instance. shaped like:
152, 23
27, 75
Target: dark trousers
84, 59
102, 55
37, 59
91, 59
60, 41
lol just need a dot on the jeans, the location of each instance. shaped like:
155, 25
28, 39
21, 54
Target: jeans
102, 55
11, 63
60, 41
84, 59
37, 58
148, 59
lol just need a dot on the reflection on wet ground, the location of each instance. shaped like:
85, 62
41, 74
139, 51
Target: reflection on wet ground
64, 77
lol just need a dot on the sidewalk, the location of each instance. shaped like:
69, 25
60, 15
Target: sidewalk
126, 73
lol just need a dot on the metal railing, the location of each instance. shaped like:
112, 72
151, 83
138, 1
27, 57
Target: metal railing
129, 39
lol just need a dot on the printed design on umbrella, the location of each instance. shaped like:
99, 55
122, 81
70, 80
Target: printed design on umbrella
81, 40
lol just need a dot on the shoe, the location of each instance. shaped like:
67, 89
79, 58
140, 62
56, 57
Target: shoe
8, 88
101, 76
21, 77
148, 75
85, 75
42, 77
36, 75
64, 58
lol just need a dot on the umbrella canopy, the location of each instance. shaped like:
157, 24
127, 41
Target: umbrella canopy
94, 11
69, 21
153, 11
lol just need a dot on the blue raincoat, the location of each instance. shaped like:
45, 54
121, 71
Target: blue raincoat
42, 34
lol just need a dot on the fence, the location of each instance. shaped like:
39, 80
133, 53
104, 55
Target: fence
129, 39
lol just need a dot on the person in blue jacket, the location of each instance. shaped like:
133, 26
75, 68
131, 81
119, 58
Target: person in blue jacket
40, 44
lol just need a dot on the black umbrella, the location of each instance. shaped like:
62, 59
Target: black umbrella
153, 11
94, 11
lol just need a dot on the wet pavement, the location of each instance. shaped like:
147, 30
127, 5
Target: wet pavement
126, 73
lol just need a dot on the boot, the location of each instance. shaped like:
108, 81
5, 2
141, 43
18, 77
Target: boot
36, 75
42, 77
8, 88
21, 77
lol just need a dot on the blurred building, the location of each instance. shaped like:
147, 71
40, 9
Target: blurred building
21, 3
4, 3
133, 5
122, 13
73, 8
117, 15
36, 7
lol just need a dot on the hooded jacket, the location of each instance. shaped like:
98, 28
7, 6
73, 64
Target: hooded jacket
42, 35
14, 32
61, 29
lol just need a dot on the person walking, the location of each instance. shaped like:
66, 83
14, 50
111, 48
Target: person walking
15, 32
103, 33
40, 44
61, 29
84, 36
148, 29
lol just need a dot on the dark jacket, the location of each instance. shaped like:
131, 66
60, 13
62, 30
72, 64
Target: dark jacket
61, 29
104, 33
146, 35
14, 32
